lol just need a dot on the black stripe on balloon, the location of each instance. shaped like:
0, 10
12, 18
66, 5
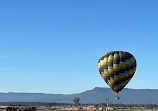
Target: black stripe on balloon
107, 77
116, 83
102, 58
101, 70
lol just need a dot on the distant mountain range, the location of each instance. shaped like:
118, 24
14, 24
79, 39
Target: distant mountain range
96, 95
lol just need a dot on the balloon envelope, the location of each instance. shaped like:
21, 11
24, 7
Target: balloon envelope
117, 68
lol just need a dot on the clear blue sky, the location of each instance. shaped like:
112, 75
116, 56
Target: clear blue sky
53, 46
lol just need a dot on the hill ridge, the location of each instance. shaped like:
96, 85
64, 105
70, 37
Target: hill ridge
96, 95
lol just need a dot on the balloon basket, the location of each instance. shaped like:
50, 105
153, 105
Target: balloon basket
117, 98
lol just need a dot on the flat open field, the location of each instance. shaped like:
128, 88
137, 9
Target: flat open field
67, 108
104, 110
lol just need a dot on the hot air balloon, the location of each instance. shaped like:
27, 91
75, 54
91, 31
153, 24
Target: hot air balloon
117, 68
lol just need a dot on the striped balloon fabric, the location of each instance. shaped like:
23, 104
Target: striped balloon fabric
117, 68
